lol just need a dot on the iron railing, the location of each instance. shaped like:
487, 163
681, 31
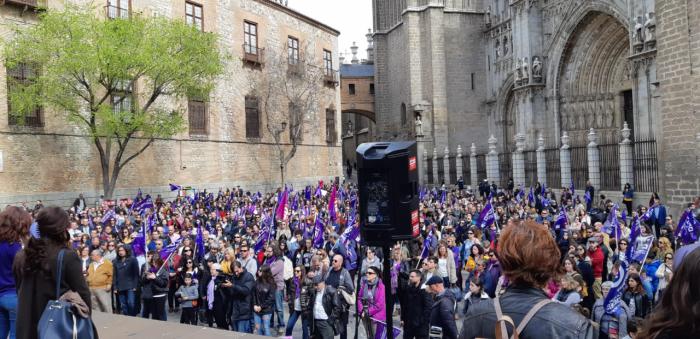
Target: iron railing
530, 168
429, 170
645, 162
480, 168
505, 168
453, 169
466, 171
579, 165
609, 167
553, 166
440, 171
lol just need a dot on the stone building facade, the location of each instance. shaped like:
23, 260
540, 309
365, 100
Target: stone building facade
52, 160
514, 76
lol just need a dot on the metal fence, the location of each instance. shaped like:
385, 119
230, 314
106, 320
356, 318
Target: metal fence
453, 169
440, 172
551, 156
609, 167
466, 171
505, 168
579, 165
645, 162
480, 168
530, 168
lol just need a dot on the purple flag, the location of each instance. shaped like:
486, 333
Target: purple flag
613, 299
167, 251
443, 197
572, 188
264, 235
612, 225
331, 204
531, 196
487, 216
174, 187
199, 242
561, 221
318, 233
635, 231
109, 215
380, 332
521, 193
427, 242
647, 215
138, 245
687, 229
587, 197
282, 204
641, 248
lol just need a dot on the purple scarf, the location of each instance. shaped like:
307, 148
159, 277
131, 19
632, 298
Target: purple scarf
297, 286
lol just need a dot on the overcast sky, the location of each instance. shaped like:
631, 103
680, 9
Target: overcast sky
351, 17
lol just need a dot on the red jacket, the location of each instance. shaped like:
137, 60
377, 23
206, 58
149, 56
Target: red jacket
597, 262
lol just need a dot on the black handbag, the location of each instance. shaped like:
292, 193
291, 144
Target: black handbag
59, 320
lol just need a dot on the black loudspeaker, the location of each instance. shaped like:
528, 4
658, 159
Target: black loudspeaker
387, 175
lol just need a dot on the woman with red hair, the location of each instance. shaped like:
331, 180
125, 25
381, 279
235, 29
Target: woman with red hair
529, 259
14, 227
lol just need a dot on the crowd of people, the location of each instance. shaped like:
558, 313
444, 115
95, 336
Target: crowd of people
570, 265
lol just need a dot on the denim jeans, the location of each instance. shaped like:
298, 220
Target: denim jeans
262, 323
127, 302
242, 326
279, 308
293, 317
8, 315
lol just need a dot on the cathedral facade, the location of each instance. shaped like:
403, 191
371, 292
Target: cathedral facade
524, 73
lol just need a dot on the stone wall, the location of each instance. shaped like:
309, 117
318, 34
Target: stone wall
678, 74
56, 161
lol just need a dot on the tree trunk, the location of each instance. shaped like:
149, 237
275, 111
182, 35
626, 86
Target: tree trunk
282, 170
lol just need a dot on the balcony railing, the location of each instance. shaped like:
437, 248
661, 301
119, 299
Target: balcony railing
27, 3
330, 77
253, 54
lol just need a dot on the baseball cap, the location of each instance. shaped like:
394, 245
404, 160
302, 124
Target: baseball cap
434, 280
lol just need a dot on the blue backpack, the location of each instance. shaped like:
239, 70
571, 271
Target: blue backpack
58, 319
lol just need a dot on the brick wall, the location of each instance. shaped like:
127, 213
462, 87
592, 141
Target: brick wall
678, 59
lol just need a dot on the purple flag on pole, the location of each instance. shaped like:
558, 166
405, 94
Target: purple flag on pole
635, 231
611, 225
613, 299
427, 243
318, 233
687, 229
168, 250
109, 215
199, 242
561, 221
331, 204
264, 235
282, 204
487, 216
380, 332
174, 187
641, 248
138, 245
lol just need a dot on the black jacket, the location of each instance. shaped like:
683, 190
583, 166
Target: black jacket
126, 274
642, 303
442, 314
241, 297
156, 286
416, 306
264, 296
552, 321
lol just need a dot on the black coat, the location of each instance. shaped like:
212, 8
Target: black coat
126, 274
416, 306
554, 320
264, 296
36, 289
151, 287
242, 297
442, 314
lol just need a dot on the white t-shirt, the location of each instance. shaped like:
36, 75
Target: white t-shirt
442, 267
319, 312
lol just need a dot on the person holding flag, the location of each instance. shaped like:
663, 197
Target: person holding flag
154, 287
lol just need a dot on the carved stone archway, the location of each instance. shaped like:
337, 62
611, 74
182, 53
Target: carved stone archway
591, 76
369, 114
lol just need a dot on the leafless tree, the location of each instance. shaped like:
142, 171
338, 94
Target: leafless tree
289, 89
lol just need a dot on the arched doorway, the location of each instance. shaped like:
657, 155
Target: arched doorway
508, 123
592, 81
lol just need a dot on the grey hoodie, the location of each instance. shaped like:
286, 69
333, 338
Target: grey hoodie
188, 293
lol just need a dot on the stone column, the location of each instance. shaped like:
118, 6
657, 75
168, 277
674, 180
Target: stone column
519, 161
446, 164
424, 172
436, 174
541, 161
593, 159
492, 162
472, 167
458, 162
626, 161
565, 160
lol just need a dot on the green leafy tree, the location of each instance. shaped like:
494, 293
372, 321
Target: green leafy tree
108, 75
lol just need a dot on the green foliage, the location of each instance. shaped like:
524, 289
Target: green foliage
85, 59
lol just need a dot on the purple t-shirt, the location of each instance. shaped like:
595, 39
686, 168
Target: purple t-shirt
7, 256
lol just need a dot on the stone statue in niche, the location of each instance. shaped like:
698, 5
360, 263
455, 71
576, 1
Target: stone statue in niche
526, 71
610, 118
599, 113
536, 69
650, 30
505, 46
564, 117
639, 34
419, 125
581, 115
610, 109
518, 72
498, 48
487, 16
